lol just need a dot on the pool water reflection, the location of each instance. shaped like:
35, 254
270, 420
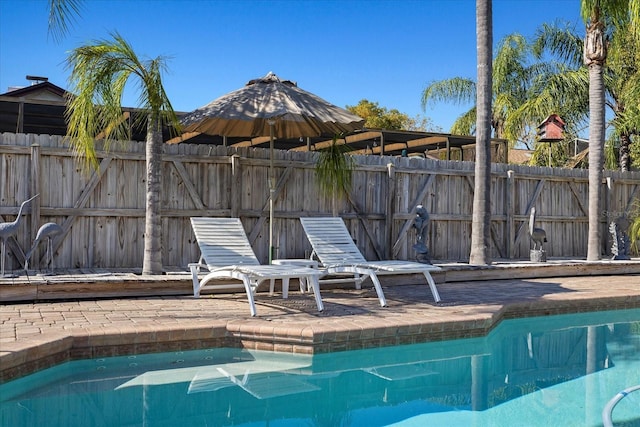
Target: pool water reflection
558, 370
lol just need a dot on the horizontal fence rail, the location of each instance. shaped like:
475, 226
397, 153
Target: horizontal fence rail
102, 215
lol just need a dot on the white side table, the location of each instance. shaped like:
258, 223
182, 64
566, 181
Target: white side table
294, 262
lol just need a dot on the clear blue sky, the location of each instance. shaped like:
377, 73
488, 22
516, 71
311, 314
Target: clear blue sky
341, 50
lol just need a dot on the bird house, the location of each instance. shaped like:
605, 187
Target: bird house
551, 129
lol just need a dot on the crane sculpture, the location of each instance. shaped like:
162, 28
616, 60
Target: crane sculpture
46, 231
8, 229
538, 235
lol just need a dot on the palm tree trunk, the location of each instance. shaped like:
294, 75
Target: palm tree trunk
595, 55
481, 220
152, 263
596, 158
625, 153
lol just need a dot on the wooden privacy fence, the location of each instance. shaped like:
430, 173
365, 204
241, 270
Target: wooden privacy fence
102, 213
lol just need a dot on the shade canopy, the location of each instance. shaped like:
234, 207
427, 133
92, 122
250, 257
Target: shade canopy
250, 110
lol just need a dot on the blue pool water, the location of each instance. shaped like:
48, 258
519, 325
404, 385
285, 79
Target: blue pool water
550, 371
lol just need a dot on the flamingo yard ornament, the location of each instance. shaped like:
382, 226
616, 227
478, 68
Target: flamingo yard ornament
8, 229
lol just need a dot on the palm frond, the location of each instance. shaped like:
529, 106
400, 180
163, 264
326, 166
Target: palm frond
559, 40
465, 124
61, 16
334, 170
457, 90
510, 63
611, 154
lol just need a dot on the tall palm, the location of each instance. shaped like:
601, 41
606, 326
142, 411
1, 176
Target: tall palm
481, 219
598, 14
561, 87
99, 74
623, 88
511, 77
565, 88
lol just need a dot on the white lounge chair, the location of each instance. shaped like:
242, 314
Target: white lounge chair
333, 246
227, 254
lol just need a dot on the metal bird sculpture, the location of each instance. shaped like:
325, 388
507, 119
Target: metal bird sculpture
8, 229
538, 235
420, 223
46, 231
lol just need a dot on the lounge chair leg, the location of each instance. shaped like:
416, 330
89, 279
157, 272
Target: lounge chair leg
358, 280
272, 285
249, 290
316, 291
432, 285
194, 277
378, 286
285, 287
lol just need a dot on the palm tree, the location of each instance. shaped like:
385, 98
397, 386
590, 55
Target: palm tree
565, 86
561, 85
481, 220
99, 73
622, 81
597, 15
511, 78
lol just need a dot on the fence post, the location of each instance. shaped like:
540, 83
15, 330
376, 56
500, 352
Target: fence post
236, 174
510, 229
391, 192
35, 189
608, 216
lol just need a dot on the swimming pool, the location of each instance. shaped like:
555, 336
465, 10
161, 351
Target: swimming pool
557, 370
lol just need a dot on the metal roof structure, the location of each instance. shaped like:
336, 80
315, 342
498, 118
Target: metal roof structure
371, 141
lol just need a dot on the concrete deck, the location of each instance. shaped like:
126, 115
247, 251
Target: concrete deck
36, 334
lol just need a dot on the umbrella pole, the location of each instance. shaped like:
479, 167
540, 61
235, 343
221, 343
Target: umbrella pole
272, 191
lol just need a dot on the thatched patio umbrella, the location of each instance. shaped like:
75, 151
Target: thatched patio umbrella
271, 107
